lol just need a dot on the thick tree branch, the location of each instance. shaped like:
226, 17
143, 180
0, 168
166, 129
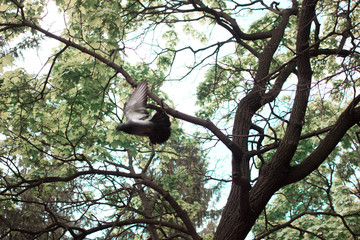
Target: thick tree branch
84, 232
30, 183
234, 148
229, 23
101, 227
254, 100
347, 119
280, 80
179, 210
140, 179
291, 138
276, 144
296, 217
272, 173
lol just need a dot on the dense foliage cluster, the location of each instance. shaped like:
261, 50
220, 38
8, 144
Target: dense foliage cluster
276, 83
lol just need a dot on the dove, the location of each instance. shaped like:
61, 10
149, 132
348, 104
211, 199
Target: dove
157, 128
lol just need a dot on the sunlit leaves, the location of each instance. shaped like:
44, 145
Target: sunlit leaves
62, 156
217, 89
181, 171
171, 38
59, 124
326, 203
193, 31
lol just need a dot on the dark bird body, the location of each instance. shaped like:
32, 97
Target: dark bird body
157, 128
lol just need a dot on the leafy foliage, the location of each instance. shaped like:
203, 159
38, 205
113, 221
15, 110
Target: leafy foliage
326, 203
63, 165
282, 77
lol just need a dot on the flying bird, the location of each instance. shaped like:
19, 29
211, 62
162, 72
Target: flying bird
157, 128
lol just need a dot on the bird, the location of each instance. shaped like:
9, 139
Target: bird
158, 128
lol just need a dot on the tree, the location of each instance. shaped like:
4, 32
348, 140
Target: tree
260, 82
324, 205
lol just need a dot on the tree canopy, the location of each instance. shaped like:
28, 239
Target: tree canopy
275, 83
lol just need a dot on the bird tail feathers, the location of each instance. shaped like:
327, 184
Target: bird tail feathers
161, 131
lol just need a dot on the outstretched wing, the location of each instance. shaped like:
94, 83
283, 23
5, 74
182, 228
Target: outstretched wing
134, 108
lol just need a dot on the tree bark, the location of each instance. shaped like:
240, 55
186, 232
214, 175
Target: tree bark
244, 205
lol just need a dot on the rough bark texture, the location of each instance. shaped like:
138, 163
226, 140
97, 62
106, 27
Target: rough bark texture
245, 202
245, 205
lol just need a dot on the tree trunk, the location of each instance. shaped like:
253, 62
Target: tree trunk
245, 204
234, 224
